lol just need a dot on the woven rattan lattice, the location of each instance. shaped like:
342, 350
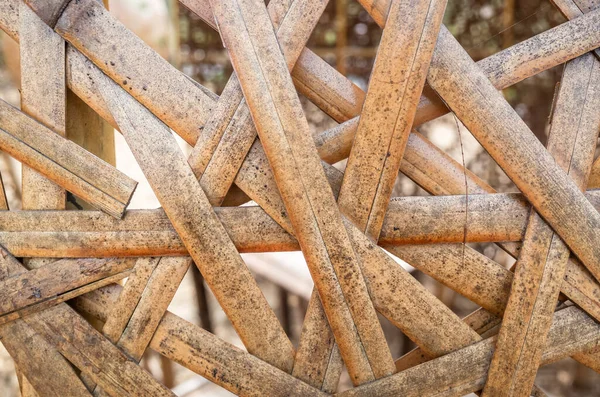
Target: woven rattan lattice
342, 222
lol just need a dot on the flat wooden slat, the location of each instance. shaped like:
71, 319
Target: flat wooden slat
464, 371
283, 129
395, 86
543, 260
229, 133
187, 207
181, 103
43, 97
204, 353
509, 141
64, 162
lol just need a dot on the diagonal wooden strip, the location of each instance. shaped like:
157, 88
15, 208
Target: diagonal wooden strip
507, 67
47, 283
543, 259
575, 8
133, 322
204, 353
454, 75
464, 371
572, 332
283, 129
181, 103
387, 116
229, 133
94, 355
43, 97
64, 162
188, 209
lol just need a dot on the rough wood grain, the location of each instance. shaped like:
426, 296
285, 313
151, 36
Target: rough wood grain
317, 223
43, 97
465, 370
229, 133
395, 86
187, 207
454, 75
204, 353
64, 162
543, 260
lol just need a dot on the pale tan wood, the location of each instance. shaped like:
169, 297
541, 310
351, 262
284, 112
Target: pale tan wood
543, 259
37, 288
229, 132
575, 8
283, 129
181, 103
64, 162
454, 75
504, 68
465, 370
43, 97
395, 86
138, 311
204, 353
187, 207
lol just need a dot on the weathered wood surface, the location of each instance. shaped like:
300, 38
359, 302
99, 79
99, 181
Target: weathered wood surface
229, 133
317, 223
465, 370
297, 196
64, 162
543, 259
191, 214
387, 116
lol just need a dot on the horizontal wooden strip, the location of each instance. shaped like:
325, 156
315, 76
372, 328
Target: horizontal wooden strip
64, 162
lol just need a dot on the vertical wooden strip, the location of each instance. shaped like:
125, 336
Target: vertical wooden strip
387, 116
284, 133
192, 216
229, 133
543, 259
43, 97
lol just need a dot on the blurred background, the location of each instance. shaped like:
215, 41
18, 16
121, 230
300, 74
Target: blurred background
347, 38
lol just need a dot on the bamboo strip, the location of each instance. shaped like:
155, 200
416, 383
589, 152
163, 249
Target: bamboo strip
142, 304
64, 162
283, 129
188, 209
387, 116
30, 289
510, 142
543, 259
465, 370
204, 353
183, 104
211, 353
507, 67
575, 8
229, 133
43, 97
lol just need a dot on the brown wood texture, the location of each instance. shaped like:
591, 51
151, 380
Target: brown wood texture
543, 259
77, 59
317, 223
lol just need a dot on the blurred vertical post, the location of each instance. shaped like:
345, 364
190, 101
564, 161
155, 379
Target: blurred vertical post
341, 36
508, 20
